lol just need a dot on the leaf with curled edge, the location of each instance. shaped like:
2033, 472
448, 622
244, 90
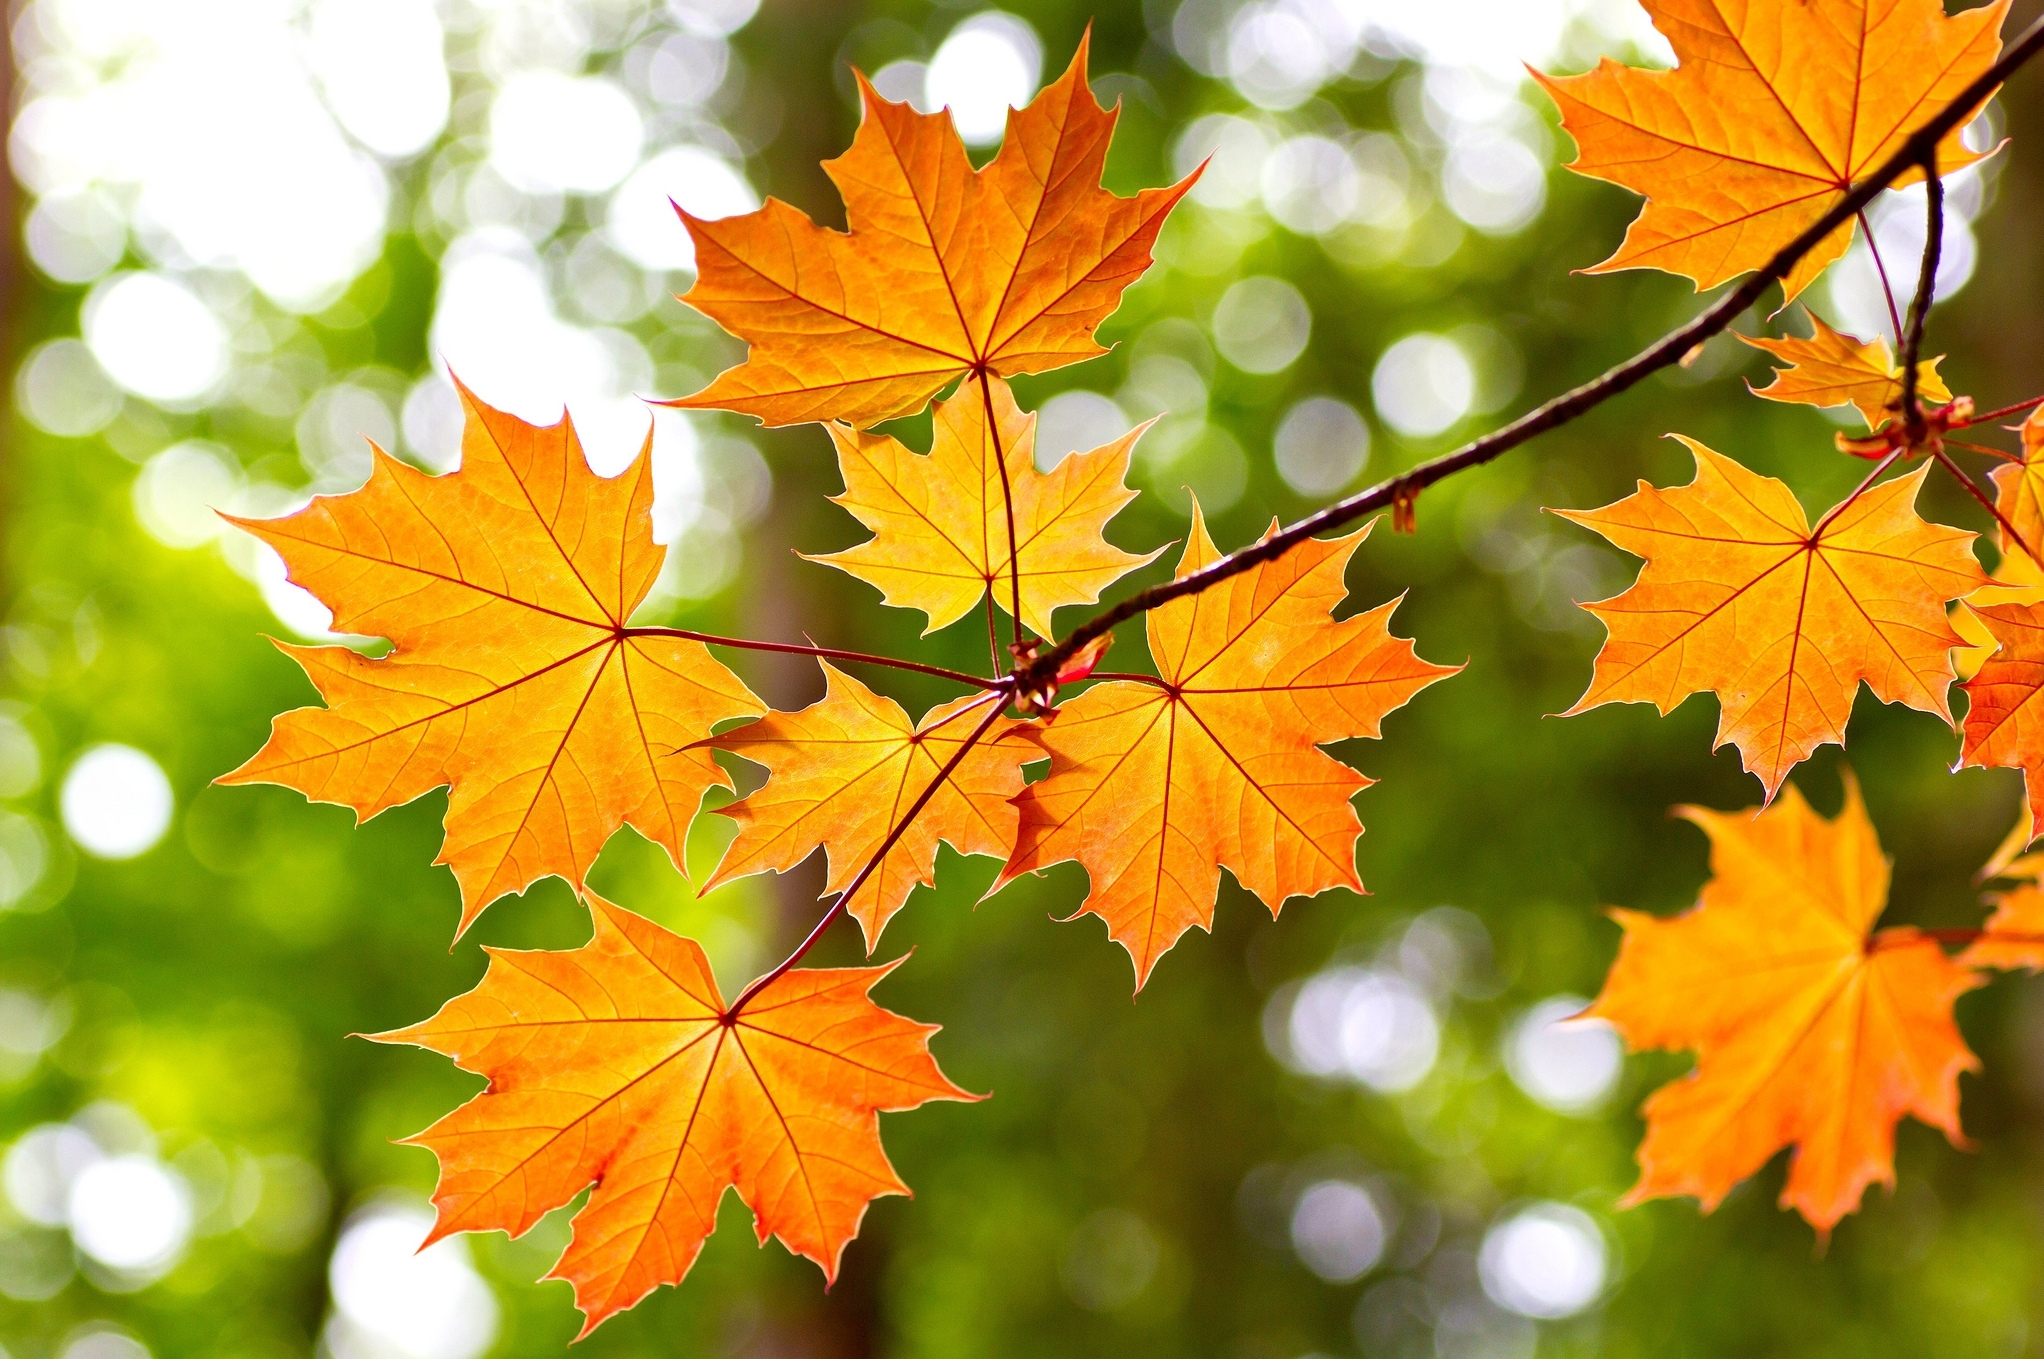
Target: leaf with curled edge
1740, 597
1154, 788
1811, 1029
1777, 109
1834, 369
619, 1065
940, 520
943, 270
505, 588
841, 773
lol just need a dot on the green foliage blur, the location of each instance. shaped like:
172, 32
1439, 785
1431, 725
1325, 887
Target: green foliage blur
1138, 1182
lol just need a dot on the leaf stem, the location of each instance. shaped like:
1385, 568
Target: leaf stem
1973, 488
1970, 936
837, 907
986, 395
1857, 491
1881, 267
2017, 409
791, 649
1663, 353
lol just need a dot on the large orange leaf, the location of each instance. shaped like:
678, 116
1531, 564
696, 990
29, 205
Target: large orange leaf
1777, 109
505, 588
944, 268
1831, 369
2005, 722
844, 770
618, 1065
1810, 1030
1740, 597
1154, 788
940, 520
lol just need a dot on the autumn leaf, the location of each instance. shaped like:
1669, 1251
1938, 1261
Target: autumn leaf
2019, 497
843, 771
940, 521
2005, 720
2009, 859
1810, 1030
1740, 597
505, 588
2014, 935
944, 269
1155, 787
618, 1065
1774, 113
1830, 369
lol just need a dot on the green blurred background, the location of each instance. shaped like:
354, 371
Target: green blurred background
250, 228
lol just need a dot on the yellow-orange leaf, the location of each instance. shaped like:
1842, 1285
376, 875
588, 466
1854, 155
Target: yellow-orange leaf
2019, 496
2014, 934
505, 588
1831, 369
944, 268
2009, 859
617, 1065
2005, 722
1809, 1029
1775, 112
940, 521
843, 772
1154, 788
1741, 598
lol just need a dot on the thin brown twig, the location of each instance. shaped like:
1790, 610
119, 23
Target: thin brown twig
837, 907
2001, 453
2016, 409
832, 653
1567, 407
1842, 506
993, 632
1926, 293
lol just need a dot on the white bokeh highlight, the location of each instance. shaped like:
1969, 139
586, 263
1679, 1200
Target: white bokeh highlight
395, 1301
1338, 1230
1546, 1261
1373, 1027
986, 65
1562, 1062
1424, 385
155, 337
116, 802
554, 133
130, 1213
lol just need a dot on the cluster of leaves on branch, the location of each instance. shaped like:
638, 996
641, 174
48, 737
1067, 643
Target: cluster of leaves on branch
517, 679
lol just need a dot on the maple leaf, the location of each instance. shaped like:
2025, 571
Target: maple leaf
2005, 720
940, 520
1777, 109
1831, 369
2014, 935
1740, 597
944, 269
1155, 787
505, 588
842, 773
1810, 1030
2019, 497
618, 1064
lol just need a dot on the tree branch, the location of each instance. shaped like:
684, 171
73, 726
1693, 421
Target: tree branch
1926, 293
1668, 350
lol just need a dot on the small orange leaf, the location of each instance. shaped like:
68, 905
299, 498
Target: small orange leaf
616, 1065
1810, 1030
842, 772
2014, 935
1741, 598
505, 588
944, 269
1774, 113
1831, 369
2019, 496
2005, 723
1154, 788
940, 521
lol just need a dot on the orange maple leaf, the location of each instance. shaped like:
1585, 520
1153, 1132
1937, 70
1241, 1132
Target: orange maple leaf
844, 770
2014, 935
617, 1064
2019, 496
1155, 787
1832, 369
1740, 597
944, 269
940, 520
1775, 112
505, 588
1810, 1030
2005, 722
